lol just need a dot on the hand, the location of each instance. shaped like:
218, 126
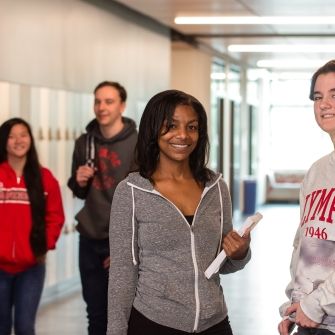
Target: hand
285, 326
106, 262
235, 246
41, 259
84, 174
301, 319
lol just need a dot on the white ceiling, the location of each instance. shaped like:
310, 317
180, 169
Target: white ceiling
218, 37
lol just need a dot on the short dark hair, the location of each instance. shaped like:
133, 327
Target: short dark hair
326, 68
34, 183
122, 91
159, 109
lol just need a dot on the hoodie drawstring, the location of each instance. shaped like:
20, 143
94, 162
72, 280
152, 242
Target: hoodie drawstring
221, 219
133, 227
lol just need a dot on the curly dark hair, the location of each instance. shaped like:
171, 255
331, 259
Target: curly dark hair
159, 109
33, 180
326, 68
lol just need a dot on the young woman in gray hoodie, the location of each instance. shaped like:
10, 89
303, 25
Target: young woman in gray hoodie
168, 222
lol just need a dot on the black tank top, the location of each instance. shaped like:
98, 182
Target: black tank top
189, 218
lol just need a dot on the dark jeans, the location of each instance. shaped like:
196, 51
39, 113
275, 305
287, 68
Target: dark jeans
140, 325
20, 296
313, 331
94, 280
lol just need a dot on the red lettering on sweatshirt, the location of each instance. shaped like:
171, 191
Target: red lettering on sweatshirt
330, 212
321, 203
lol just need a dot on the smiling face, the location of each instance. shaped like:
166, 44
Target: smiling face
324, 103
108, 106
18, 143
178, 141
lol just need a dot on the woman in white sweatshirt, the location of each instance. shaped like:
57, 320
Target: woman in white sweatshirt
168, 222
312, 288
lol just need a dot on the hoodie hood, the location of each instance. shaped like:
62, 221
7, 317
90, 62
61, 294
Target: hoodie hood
135, 180
140, 182
93, 129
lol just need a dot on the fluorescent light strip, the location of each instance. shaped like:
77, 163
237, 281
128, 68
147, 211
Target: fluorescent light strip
293, 75
289, 48
290, 63
222, 75
282, 20
218, 76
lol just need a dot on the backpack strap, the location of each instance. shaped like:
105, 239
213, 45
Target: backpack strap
90, 150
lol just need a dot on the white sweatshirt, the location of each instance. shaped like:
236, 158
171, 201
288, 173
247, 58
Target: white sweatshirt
313, 259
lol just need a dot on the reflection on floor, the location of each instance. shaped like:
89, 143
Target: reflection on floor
253, 295
66, 317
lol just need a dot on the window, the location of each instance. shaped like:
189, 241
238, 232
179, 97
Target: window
295, 140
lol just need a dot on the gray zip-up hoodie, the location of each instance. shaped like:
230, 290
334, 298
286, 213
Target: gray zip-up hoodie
114, 158
158, 259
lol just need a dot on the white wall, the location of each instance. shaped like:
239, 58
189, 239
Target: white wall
73, 45
191, 72
53, 54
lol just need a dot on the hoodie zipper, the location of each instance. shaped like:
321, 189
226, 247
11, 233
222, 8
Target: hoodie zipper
194, 258
18, 181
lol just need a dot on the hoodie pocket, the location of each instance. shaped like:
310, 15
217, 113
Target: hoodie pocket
151, 288
212, 301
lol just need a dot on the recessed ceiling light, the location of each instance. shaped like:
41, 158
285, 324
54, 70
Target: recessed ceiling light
282, 20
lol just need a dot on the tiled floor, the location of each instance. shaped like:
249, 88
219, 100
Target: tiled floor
253, 295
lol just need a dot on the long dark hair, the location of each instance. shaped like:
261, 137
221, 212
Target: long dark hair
160, 108
33, 180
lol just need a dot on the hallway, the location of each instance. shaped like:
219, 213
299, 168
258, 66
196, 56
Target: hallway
253, 295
